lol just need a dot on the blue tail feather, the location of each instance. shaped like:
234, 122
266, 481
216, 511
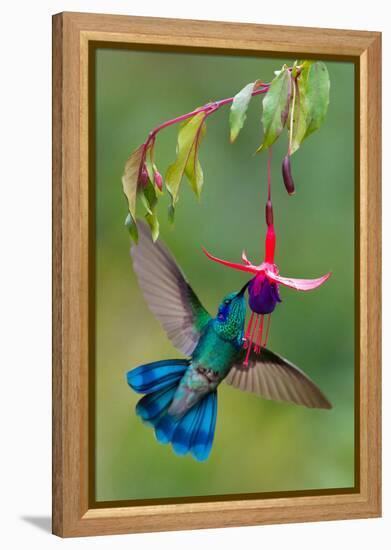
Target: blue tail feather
151, 406
182, 436
164, 429
156, 376
194, 431
203, 434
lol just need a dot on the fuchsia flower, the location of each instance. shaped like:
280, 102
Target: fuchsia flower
263, 287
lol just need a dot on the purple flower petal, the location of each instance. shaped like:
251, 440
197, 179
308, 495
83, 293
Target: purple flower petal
263, 295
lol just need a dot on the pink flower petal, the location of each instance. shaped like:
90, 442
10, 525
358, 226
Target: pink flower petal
298, 284
247, 268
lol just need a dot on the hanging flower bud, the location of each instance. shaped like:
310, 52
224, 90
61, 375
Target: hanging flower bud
269, 212
287, 176
158, 180
143, 179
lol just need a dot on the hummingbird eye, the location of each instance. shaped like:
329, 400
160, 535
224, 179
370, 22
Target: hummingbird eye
227, 302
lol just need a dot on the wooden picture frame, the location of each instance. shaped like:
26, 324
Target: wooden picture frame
74, 34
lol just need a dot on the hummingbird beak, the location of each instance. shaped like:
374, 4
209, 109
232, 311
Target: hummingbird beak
243, 290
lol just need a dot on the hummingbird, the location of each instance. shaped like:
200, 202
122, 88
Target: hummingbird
180, 395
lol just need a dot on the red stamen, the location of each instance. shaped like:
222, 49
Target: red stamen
251, 341
267, 330
258, 344
248, 331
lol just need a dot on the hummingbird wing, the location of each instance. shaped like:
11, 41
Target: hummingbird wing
272, 377
167, 292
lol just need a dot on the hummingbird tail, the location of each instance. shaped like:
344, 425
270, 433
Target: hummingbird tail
192, 432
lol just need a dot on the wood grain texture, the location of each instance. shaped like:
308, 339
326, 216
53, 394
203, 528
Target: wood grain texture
57, 461
72, 35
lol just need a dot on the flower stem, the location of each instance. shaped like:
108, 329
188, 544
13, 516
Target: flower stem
269, 205
208, 109
269, 175
270, 242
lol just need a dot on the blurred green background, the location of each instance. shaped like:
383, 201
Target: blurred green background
259, 446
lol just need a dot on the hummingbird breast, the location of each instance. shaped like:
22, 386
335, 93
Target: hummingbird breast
211, 362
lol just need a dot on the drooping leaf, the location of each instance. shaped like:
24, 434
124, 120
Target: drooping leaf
153, 173
186, 136
294, 70
194, 172
153, 223
237, 115
275, 108
298, 120
284, 67
193, 169
130, 179
171, 213
131, 226
145, 203
149, 161
315, 91
148, 197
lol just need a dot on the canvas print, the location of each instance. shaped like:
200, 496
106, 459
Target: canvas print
224, 275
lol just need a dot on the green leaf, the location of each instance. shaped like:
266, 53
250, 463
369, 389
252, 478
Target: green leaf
171, 213
131, 226
194, 172
148, 197
186, 136
297, 122
237, 115
285, 66
153, 223
310, 101
193, 169
294, 71
130, 178
275, 108
315, 85
149, 161
145, 203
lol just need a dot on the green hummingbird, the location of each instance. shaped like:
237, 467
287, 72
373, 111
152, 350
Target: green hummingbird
180, 395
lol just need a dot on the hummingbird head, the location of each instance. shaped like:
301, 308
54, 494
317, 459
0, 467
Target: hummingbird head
232, 314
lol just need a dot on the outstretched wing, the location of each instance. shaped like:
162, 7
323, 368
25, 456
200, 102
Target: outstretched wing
271, 376
167, 292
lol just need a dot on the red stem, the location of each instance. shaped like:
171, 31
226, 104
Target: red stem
269, 175
270, 242
208, 109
